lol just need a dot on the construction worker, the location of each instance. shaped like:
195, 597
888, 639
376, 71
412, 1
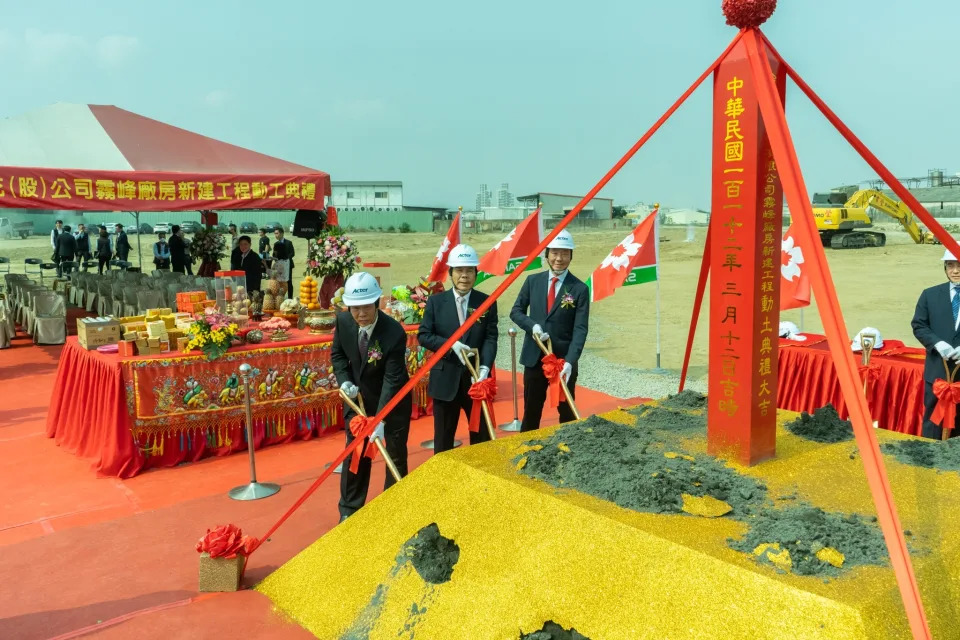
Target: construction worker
553, 304
369, 359
449, 379
936, 324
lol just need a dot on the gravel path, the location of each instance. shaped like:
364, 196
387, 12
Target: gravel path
607, 377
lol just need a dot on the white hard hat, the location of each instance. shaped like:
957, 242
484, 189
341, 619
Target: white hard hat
948, 256
563, 241
361, 288
463, 255
877, 343
788, 329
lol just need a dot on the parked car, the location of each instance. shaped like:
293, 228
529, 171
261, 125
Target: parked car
222, 227
161, 226
112, 227
191, 226
131, 229
248, 227
9, 229
272, 226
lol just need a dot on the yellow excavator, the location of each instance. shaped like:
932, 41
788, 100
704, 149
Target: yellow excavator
843, 220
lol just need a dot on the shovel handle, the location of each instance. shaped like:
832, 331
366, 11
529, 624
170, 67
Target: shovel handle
475, 372
548, 349
376, 441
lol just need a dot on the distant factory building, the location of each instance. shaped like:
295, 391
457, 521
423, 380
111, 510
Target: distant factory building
556, 205
360, 195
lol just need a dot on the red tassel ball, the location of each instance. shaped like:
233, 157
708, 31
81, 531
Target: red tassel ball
745, 14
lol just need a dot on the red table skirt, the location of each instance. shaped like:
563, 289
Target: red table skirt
101, 409
808, 381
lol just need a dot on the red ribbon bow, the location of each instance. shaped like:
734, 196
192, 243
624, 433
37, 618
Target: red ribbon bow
948, 395
361, 427
552, 368
480, 391
870, 371
226, 541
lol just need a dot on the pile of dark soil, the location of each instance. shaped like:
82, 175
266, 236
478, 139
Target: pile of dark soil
686, 399
552, 631
804, 531
631, 467
824, 425
934, 454
650, 417
432, 555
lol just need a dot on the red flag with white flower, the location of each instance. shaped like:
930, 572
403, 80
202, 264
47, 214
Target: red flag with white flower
794, 283
507, 254
438, 273
633, 261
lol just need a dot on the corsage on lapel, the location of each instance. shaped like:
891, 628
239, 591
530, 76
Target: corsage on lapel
374, 353
471, 310
567, 301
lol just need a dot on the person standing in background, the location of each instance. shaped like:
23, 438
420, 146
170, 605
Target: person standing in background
243, 259
288, 254
104, 250
234, 237
123, 244
161, 252
178, 250
83, 244
66, 250
54, 235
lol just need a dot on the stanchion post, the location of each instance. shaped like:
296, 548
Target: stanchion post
254, 490
513, 425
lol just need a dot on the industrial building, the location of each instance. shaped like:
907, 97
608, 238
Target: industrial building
361, 195
557, 205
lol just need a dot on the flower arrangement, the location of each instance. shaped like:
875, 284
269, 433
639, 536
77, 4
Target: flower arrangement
409, 302
212, 333
337, 300
208, 245
332, 254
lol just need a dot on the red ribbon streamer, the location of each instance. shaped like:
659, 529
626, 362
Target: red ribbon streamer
361, 427
948, 395
226, 541
480, 391
552, 368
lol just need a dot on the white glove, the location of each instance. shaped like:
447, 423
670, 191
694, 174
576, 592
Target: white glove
943, 349
566, 371
459, 350
350, 389
539, 332
954, 354
483, 374
378, 432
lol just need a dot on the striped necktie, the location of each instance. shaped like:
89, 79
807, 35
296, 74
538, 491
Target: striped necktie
955, 303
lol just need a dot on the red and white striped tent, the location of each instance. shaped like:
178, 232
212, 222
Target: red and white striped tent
103, 158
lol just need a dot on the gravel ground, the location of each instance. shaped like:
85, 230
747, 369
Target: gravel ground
599, 374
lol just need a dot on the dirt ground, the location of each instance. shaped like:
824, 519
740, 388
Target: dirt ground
878, 287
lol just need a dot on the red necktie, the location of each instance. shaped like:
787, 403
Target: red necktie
552, 293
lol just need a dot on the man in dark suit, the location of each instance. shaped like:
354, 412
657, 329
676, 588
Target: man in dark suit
54, 235
244, 259
66, 250
122, 249
450, 381
554, 304
936, 324
369, 358
178, 250
288, 253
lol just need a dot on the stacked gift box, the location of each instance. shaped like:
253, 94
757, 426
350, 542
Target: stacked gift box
194, 302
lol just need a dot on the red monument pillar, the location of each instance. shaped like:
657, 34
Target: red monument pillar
746, 228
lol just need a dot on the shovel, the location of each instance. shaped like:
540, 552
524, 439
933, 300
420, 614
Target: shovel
547, 349
474, 371
376, 441
951, 374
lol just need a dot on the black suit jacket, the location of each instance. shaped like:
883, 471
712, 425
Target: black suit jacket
440, 320
380, 380
932, 323
567, 327
66, 246
178, 251
252, 265
123, 246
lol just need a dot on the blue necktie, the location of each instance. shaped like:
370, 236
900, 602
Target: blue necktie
956, 304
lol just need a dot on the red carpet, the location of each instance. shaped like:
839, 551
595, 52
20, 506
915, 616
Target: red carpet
115, 559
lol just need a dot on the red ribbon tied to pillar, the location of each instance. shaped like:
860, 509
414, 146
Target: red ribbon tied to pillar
480, 391
948, 395
361, 427
552, 368
870, 371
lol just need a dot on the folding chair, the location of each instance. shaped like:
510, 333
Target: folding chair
130, 300
116, 307
4, 265
47, 266
7, 327
26, 309
31, 266
105, 297
148, 299
50, 318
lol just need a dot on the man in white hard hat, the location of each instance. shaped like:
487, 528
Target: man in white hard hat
449, 379
369, 359
936, 324
553, 304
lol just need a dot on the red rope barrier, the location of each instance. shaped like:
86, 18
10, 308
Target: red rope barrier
697, 303
795, 191
486, 304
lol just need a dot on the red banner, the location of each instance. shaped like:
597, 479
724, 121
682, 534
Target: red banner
157, 191
746, 226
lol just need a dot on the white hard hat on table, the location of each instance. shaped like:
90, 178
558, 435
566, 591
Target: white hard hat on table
790, 331
948, 256
463, 255
563, 241
361, 288
877, 343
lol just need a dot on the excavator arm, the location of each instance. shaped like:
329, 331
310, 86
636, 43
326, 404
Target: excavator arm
898, 210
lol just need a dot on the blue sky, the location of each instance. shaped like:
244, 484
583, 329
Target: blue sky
444, 96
